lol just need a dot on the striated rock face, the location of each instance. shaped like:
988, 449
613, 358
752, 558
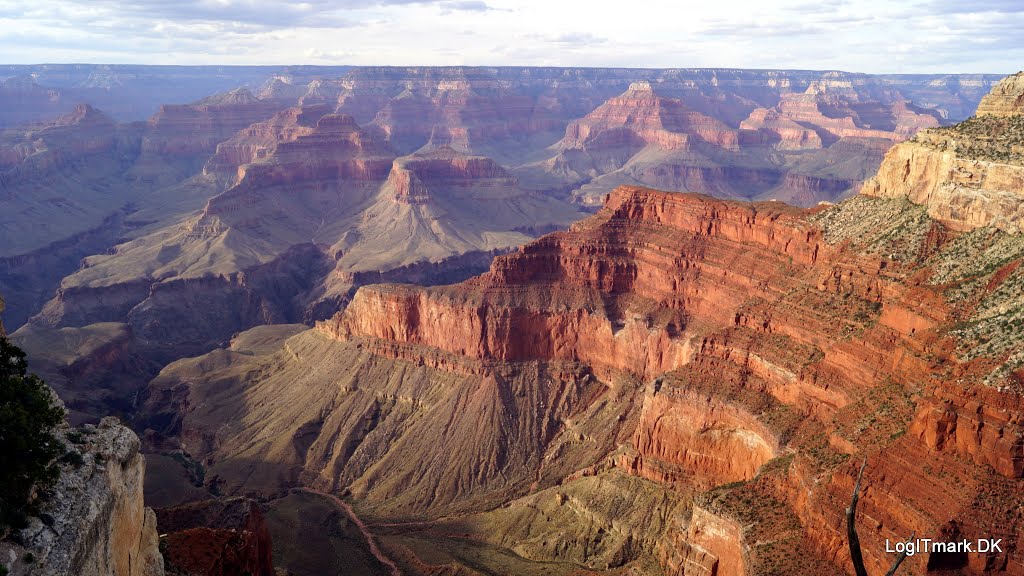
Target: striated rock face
336, 150
1005, 99
328, 207
259, 140
690, 438
196, 129
158, 173
456, 174
605, 335
734, 361
22, 100
710, 546
84, 142
79, 184
720, 357
216, 538
819, 116
807, 147
969, 175
647, 118
95, 522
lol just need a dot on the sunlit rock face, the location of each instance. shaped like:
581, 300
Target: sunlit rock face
729, 364
969, 175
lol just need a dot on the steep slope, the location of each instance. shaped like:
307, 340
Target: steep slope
334, 194
166, 168
86, 143
1005, 99
259, 140
216, 538
969, 175
65, 195
95, 522
78, 184
807, 147
22, 100
720, 359
324, 207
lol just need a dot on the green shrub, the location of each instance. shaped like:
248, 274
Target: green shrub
28, 447
73, 457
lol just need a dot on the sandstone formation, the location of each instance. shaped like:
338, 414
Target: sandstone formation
329, 208
78, 184
259, 140
94, 523
1005, 99
216, 538
788, 151
729, 357
22, 100
159, 172
969, 175
192, 129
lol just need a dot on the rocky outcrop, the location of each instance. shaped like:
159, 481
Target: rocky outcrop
84, 143
685, 437
259, 140
788, 151
969, 175
710, 546
819, 116
647, 118
721, 360
774, 343
94, 523
22, 100
963, 192
337, 150
1005, 99
412, 177
216, 538
190, 130
353, 212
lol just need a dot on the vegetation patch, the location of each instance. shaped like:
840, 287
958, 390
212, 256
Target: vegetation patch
29, 448
894, 228
990, 138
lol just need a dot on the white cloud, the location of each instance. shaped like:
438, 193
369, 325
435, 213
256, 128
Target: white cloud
856, 35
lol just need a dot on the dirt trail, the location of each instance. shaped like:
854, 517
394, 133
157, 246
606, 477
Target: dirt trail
381, 557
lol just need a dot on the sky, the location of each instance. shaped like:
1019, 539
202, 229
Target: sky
875, 36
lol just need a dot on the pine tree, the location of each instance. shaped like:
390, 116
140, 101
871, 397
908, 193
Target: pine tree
29, 414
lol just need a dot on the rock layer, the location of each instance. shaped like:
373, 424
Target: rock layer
95, 522
217, 538
970, 175
787, 151
1005, 99
739, 354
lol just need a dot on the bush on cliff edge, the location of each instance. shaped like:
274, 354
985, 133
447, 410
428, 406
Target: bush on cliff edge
28, 447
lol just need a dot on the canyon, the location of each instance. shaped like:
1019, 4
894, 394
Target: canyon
476, 320
729, 362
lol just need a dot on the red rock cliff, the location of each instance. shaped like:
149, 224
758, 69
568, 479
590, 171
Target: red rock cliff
765, 335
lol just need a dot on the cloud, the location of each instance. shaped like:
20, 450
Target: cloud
257, 14
856, 35
576, 39
465, 6
972, 6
